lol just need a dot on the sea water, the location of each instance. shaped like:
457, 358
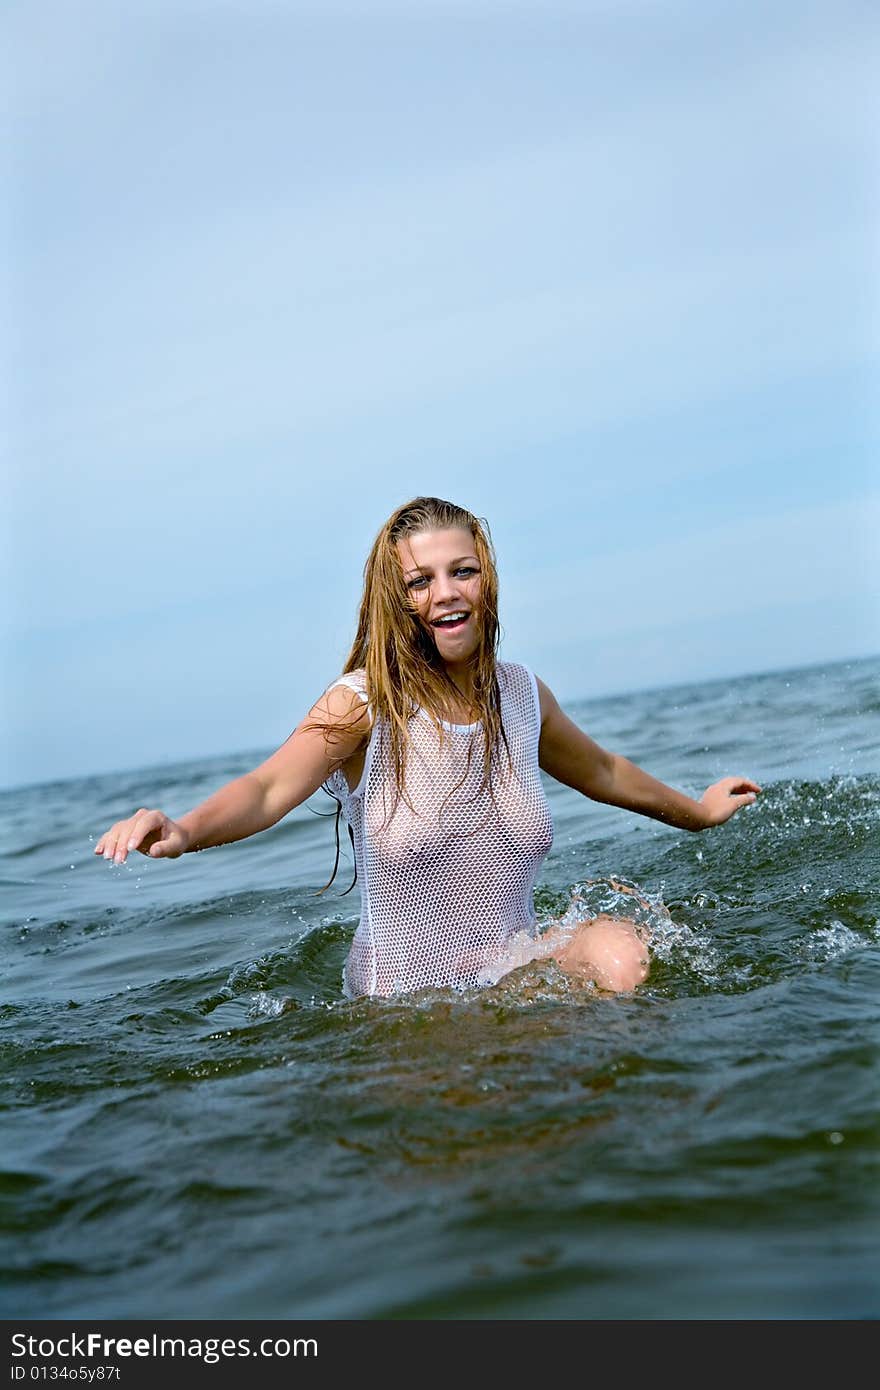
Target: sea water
195, 1123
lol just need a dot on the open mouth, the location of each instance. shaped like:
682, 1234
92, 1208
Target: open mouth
451, 621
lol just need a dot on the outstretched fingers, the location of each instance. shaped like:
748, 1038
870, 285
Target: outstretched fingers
743, 799
723, 799
139, 832
742, 786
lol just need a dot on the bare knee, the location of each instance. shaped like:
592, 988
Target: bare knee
608, 950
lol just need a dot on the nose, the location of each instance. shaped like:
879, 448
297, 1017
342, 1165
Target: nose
445, 589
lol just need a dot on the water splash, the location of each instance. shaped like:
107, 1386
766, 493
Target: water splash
264, 1005
831, 942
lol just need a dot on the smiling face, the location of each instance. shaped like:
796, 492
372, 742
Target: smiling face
443, 577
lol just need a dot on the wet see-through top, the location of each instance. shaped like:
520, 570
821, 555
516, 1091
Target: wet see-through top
447, 880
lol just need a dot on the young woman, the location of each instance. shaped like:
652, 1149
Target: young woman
432, 748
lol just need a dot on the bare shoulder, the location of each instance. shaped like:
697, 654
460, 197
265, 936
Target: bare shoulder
566, 752
342, 708
549, 703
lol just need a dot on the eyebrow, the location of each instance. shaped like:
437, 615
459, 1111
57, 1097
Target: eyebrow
426, 569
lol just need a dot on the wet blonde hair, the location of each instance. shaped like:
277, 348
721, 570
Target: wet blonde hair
403, 666
404, 670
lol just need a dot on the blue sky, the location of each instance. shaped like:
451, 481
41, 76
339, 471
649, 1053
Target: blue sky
607, 274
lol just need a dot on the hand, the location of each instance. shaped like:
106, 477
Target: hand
723, 799
150, 832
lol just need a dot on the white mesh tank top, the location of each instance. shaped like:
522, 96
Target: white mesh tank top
445, 885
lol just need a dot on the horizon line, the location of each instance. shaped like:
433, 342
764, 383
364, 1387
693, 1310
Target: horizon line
579, 700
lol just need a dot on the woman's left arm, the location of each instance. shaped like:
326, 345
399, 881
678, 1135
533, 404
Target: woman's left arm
566, 753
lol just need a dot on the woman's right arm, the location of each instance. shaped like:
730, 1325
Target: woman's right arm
333, 730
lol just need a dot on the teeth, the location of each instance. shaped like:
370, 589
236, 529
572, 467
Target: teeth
450, 618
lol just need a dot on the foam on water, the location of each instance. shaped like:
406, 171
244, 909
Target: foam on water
835, 940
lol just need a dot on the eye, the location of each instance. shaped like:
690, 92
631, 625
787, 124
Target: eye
467, 569
418, 583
